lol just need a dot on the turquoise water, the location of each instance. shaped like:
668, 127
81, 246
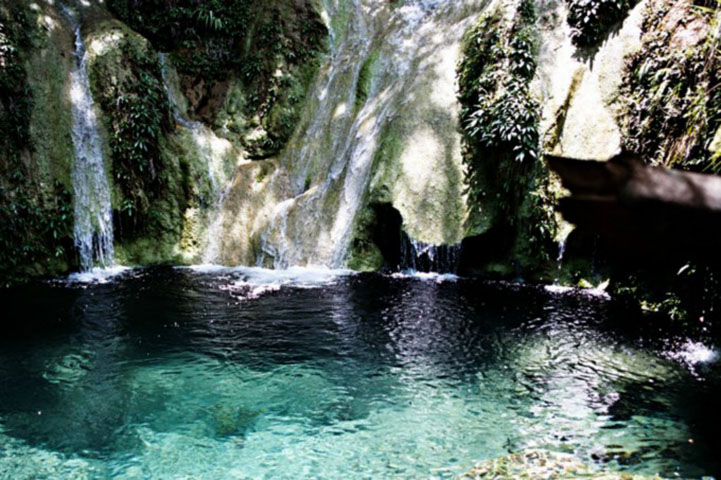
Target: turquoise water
247, 373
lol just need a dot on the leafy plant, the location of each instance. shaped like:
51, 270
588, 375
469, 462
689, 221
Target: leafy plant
137, 117
592, 20
499, 122
499, 117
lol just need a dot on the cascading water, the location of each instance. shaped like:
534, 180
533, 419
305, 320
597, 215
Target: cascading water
207, 145
93, 228
325, 171
423, 257
177, 114
212, 249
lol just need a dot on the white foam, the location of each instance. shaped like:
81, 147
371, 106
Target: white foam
98, 275
310, 276
208, 268
558, 289
694, 353
427, 276
597, 292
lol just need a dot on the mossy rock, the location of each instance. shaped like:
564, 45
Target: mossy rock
36, 153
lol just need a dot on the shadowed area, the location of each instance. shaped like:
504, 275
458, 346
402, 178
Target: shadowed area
643, 208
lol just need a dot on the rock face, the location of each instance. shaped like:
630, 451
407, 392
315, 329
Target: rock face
380, 127
579, 89
36, 147
281, 162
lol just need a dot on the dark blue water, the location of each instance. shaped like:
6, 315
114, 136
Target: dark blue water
246, 373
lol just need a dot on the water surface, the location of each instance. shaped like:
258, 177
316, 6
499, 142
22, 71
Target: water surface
248, 373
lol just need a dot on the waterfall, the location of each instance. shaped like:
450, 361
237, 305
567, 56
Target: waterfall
174, 104
325, 171
93, 228
424, 257
212, 248
562, 239
211, 149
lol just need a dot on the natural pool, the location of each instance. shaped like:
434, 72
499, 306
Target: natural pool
248, 373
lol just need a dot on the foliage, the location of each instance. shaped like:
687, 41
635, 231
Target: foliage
673, 95
15, 95
268, 46
499, 117
592, 20
33, 231
207, 31
499, 120
683, 293
137, 115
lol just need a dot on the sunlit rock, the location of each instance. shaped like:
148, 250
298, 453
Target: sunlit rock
578, 89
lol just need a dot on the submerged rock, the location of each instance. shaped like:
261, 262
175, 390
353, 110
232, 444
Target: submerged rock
543, 465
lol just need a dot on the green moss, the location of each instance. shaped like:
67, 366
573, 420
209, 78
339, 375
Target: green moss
553, 136
35, 147
365, 77
364, 255
148, 251
390, 147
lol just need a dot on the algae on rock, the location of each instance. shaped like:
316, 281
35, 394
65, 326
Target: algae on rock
35, 142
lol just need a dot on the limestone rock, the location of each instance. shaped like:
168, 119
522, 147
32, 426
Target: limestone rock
577, 89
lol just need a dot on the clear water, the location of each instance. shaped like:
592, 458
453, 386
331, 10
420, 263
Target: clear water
213, 372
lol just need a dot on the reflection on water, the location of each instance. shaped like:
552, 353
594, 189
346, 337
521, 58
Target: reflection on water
248, 373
